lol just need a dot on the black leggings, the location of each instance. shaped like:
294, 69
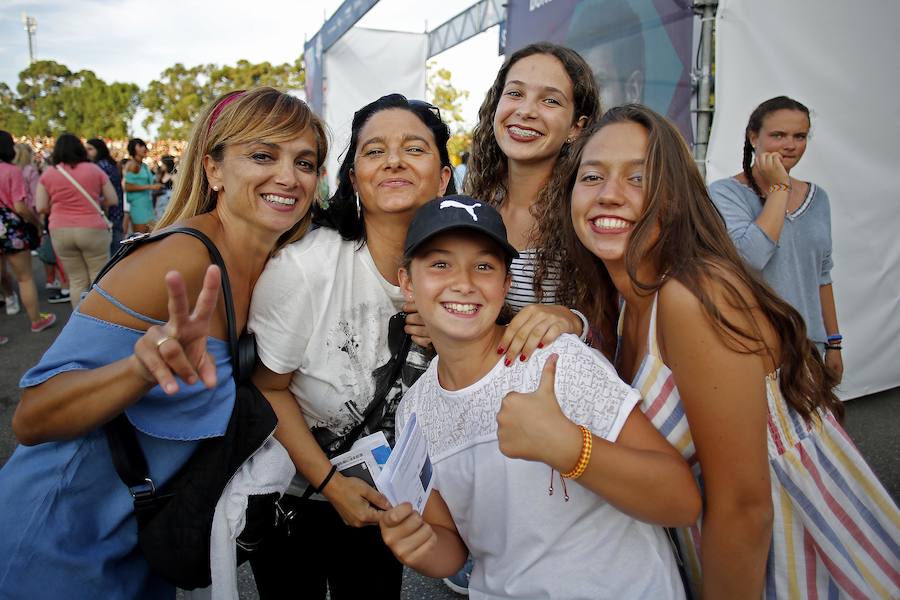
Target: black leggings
353, 561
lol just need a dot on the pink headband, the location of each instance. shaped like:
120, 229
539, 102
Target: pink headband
217, 111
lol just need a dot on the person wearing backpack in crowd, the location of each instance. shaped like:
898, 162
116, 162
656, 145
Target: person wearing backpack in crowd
99, 154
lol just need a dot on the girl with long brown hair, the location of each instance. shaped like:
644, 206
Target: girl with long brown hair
542, 98
727, 374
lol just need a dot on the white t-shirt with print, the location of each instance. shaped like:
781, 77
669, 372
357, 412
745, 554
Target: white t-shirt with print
525, 542
320, 310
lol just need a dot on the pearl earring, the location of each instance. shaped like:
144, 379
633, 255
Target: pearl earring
215, 188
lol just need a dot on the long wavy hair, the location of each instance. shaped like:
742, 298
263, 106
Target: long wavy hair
488, 169
237, 118
341, 214
682, 235
754, 124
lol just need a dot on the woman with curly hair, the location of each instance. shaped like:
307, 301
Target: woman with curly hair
727, 375
542, 98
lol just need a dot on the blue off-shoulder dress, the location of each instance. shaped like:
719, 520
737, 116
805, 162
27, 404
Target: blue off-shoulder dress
66, 524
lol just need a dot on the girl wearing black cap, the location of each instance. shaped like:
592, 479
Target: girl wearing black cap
497, 436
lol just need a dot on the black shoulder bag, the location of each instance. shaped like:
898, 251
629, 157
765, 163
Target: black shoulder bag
372, 415
175, 520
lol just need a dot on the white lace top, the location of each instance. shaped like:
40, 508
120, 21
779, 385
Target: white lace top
525, 542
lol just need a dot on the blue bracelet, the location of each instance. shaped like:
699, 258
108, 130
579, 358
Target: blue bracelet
835, 338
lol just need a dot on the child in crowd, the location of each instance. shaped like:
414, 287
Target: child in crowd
504, 441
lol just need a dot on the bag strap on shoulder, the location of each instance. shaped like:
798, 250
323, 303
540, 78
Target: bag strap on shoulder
127, 456
84, 193
131, 244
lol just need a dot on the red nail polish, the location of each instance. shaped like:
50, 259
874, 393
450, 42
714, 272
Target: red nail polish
507, 362
522, 357
501, 350
540, 344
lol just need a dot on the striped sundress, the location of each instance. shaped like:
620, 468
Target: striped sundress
836, 531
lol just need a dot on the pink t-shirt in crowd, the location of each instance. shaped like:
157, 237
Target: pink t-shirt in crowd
68, 206
32, 176
12, 185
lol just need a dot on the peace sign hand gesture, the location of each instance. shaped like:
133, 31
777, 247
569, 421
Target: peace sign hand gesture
178, 347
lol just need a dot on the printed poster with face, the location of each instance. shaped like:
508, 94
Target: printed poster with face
639, 50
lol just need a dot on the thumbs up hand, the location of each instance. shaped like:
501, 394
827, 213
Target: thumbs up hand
533, 427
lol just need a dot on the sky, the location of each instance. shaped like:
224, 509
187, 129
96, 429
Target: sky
135, 40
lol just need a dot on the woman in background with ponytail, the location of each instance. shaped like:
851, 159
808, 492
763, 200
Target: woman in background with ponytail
781, 225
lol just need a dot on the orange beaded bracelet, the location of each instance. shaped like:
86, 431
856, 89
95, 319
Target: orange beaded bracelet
587, 444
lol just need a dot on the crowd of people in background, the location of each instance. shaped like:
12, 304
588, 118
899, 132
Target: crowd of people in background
38, 159
624, 377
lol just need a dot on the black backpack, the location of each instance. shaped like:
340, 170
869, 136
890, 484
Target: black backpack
175, 520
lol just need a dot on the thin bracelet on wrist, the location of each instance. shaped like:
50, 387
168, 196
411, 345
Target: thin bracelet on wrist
585, 326
327, 479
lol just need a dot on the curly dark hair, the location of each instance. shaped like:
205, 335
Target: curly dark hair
341, 212
683, 236
488, 168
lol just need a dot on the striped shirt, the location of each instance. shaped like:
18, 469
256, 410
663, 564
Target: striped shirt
836, 531
521, 291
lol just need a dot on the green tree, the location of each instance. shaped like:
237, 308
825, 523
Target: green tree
12, 115
52, 99
443, 94
175, 100
92, 107
39, 91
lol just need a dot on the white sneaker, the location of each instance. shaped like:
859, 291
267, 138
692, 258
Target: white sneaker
12, 304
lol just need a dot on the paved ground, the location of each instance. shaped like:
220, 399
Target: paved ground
872, 422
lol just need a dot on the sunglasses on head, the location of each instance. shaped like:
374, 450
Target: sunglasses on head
427, 105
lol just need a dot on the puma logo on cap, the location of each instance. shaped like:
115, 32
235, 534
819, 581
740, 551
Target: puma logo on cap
469, 208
